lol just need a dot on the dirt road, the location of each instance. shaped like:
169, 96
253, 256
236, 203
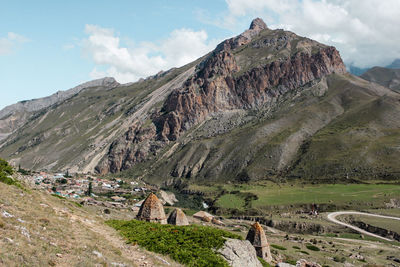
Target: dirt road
332, 217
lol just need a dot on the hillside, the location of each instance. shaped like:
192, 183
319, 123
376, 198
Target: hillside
38, 229
267, 104
14, 116
388, 77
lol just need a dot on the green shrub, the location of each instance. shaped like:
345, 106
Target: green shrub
304, 252
263, 262
5, 171
296, 247
191, 245
339, 259
278, 247
312, 247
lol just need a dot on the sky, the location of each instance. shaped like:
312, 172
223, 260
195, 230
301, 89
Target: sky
47, 45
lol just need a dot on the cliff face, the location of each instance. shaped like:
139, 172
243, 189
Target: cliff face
221, 84
215, 88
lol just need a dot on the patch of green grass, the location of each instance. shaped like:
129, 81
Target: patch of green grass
264, 263
312, 247
231, 201
296, 247
304, 252
191, 245
389, 224
58, 196
278, 247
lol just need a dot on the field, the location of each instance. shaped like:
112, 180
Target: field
268, 194
392, 225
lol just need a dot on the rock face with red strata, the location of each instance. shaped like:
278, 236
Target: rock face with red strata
249, 71
257, 238
177, 217
152, 210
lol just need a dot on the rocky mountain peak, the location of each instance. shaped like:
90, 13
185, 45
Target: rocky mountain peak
258, 24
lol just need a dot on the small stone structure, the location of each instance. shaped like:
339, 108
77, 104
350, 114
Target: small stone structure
152, 210
177, 217
257, 238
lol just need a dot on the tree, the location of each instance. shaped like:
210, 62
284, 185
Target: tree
89, 191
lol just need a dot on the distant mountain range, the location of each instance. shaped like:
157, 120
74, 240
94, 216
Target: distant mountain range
359, 71
266, 104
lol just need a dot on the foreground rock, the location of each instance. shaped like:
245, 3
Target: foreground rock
152, 210
257, 238
177, 217
305, 263
239, 253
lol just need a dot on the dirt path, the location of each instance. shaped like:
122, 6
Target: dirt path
332, 217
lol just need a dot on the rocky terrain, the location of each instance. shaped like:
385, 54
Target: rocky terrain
267, 104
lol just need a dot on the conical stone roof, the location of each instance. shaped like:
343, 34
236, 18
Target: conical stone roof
177, 217
152, 210
256, 236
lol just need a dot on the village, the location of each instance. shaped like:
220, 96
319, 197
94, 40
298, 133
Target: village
89, 189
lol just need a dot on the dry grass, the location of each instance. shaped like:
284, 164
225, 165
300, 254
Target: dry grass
46, 231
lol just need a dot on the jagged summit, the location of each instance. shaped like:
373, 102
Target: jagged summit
258, 24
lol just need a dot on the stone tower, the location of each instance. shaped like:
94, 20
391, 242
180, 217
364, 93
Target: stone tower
257, 238
177, 217
152, 210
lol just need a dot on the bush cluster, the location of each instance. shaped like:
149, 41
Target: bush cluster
191, 245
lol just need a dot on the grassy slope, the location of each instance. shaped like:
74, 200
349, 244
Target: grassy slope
47, 231
357, 196
351, 133
388, 224
63, 134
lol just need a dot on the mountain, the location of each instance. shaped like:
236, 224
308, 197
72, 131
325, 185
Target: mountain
384, 76
14, 116
395, 64
266, 104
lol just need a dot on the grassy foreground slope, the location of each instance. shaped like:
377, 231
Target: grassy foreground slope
38, 229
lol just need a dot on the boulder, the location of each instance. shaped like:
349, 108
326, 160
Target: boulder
239, 253
177, 217
204, 216
284, 264
305, 263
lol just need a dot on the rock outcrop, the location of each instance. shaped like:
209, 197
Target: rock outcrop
306, 263
152, 210
177, 217
239, 253
257, 238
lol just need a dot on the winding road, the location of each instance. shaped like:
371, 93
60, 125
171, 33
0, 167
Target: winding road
332, 217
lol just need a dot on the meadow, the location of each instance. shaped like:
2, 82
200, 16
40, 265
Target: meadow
268, 194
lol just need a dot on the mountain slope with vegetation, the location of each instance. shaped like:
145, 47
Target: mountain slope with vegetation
387, 77
266, 104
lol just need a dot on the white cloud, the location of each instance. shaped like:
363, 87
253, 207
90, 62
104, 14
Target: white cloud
128, 64
366, 32
8, 43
